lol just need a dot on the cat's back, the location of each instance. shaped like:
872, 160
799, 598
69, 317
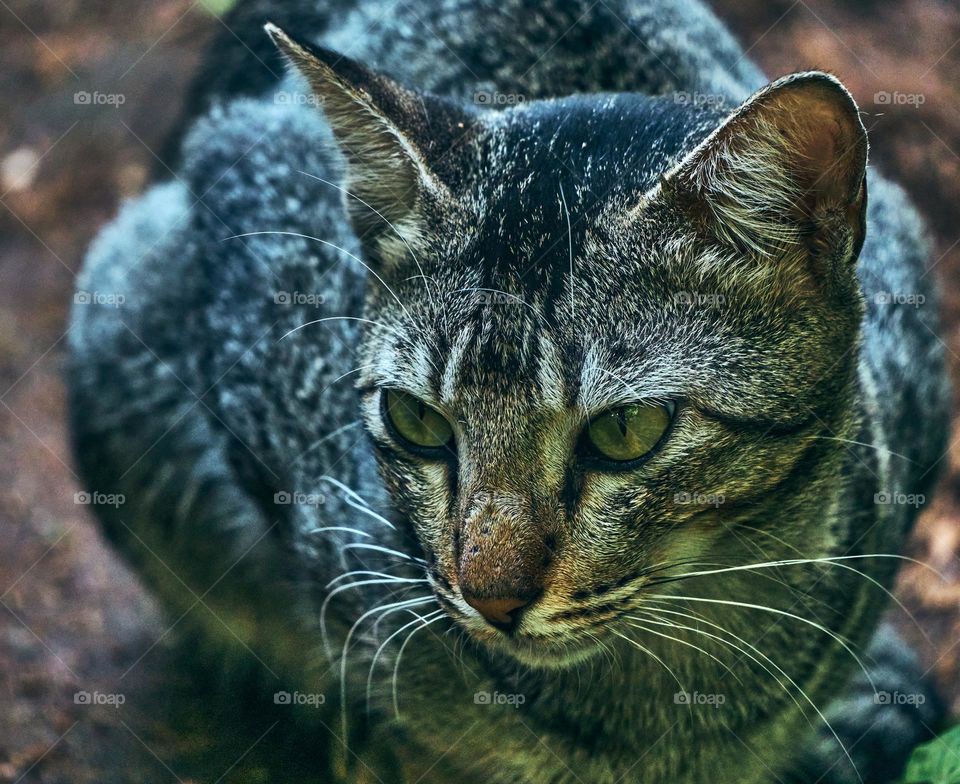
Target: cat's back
903, 355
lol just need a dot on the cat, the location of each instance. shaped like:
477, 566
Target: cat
549, 401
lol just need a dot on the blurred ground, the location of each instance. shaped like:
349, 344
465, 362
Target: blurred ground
72, 618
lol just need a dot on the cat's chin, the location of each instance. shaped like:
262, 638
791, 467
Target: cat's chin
544, 655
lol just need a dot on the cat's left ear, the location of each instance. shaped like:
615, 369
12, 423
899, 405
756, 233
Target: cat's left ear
784, 176
398, 143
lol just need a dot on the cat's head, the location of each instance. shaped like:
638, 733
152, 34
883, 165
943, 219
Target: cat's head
609, 336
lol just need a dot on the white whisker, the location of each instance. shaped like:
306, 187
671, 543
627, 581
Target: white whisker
326, 438
651, 654
862, 443
690, 645
344, 528
386, 580
792, 682
385, 550
373, 664
375, 212
385, 609
566, 210
784, 613
396, 666
355, 501
333, 245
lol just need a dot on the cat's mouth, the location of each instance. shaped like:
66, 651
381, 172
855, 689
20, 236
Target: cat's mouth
532, 649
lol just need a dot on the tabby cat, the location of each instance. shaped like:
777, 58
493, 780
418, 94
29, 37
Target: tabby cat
653, 387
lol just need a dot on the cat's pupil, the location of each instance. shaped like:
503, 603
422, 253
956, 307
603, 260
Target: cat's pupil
622, 422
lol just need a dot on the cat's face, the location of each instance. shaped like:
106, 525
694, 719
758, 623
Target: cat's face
580, 379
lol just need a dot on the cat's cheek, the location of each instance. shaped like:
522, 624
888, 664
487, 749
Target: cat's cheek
418, 493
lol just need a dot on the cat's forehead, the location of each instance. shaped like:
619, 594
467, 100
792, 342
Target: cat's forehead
499, 347
531, 313
504, 344
533, 296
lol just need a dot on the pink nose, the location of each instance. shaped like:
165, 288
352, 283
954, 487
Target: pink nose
501, 613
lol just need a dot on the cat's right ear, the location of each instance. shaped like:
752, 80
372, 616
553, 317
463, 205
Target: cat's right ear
398, 144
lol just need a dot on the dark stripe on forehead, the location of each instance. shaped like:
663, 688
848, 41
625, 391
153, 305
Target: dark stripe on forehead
528, 244
503, 344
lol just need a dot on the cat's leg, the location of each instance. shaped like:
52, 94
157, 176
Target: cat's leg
157, 465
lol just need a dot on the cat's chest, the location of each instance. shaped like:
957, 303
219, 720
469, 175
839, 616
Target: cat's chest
523, 753
486, 734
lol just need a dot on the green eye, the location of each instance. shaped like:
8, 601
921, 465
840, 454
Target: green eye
415, 421
628, 432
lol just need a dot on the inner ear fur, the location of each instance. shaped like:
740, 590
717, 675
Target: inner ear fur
784, 175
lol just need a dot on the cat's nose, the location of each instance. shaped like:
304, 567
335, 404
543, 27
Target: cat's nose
501, 613
502, 558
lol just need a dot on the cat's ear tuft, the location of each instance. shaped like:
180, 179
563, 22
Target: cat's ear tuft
388, 135
785, 175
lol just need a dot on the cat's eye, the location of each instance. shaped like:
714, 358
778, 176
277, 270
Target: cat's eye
415, 422
629, 432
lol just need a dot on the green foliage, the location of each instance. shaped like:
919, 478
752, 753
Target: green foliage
217, 7
936, 762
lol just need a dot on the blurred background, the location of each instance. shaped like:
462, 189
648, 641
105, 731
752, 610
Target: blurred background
89, 92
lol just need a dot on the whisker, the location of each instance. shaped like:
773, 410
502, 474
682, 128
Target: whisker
651, 654
396, 666
827, 560
333, 245
344, 528
326, 438
688, 644
386, 609
360, 320
364, 509
338, 379
566, 209
378, 548
777, 680
373, 664
387, 580
360, 572
700, 619
362, 504
862, 443
784, 613
375, 212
